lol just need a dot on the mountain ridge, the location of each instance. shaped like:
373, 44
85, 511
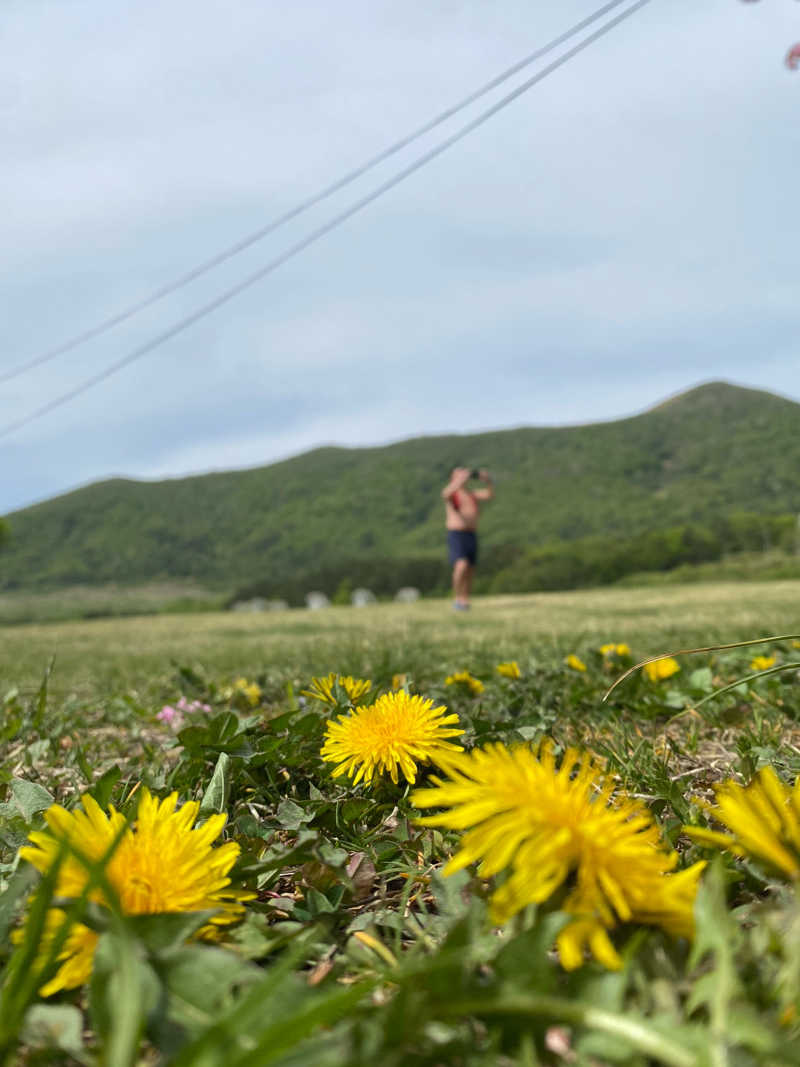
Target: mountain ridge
715, 449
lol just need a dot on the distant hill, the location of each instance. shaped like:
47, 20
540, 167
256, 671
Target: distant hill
705, 454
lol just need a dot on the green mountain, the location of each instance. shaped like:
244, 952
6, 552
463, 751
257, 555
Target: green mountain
695, 459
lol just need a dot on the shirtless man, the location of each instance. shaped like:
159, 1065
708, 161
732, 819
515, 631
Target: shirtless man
461, 506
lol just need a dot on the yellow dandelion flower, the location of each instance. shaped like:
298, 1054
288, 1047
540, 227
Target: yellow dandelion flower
76, 956
395, 733
762, 663
612, 649
163, 864
475, 685
509, 670
560, 827
660, 669
323, 688
399, 681
763, 818
575, 662
251, 691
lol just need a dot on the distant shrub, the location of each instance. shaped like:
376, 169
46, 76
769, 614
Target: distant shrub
596, 561
513, 568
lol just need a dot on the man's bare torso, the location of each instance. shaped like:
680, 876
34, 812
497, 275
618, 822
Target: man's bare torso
461, 511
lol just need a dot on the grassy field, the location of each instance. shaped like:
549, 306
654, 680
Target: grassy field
110, 600
93, 656
598, 930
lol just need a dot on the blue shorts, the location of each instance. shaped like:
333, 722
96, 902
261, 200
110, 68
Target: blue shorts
462, 544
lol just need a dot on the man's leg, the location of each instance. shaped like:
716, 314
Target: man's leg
462, 575
468, 581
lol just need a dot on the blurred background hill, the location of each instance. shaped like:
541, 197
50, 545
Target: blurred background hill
707, 474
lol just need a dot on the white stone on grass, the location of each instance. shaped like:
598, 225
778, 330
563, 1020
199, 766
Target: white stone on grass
258, 603
277, 605
407, 595
316, 600
361, 597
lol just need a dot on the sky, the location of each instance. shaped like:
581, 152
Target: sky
625, 230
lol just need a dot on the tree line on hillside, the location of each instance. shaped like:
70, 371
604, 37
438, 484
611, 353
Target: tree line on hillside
693, 458
603, 560
510, 568
382, 576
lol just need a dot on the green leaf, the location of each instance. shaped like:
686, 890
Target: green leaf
676, 699
318, 903
25, 970
104, 786
239, 1027
279, 857
291, 816
123, 990
83, 763
525, 959
287, 1030
20, 883
528, 733
332, 854
37, 750
717, 935
200, 979
363, 921
30, 797
661, 1044
54, 1026
11, 726
220, 733
747, 1029
701, 680
165, 931
352, 810
215, 799
41, 697
223, 727
449, 892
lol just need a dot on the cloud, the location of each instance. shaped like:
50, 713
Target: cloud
620, 233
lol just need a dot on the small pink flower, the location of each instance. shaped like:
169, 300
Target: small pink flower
171, 716
191, 707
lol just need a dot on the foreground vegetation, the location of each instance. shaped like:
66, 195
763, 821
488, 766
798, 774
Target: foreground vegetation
341, 936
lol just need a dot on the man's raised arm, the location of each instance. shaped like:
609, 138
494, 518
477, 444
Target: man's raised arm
458, 479
488, 492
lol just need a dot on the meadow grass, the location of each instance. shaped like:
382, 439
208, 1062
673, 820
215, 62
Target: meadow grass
95, 656
350, 946
107, 600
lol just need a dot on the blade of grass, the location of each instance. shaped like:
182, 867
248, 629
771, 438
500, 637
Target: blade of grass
746, 679
692, 651
641, 1036
22, 977
41, 698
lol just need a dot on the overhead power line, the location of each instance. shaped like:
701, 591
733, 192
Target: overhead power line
304, 205
321, 231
